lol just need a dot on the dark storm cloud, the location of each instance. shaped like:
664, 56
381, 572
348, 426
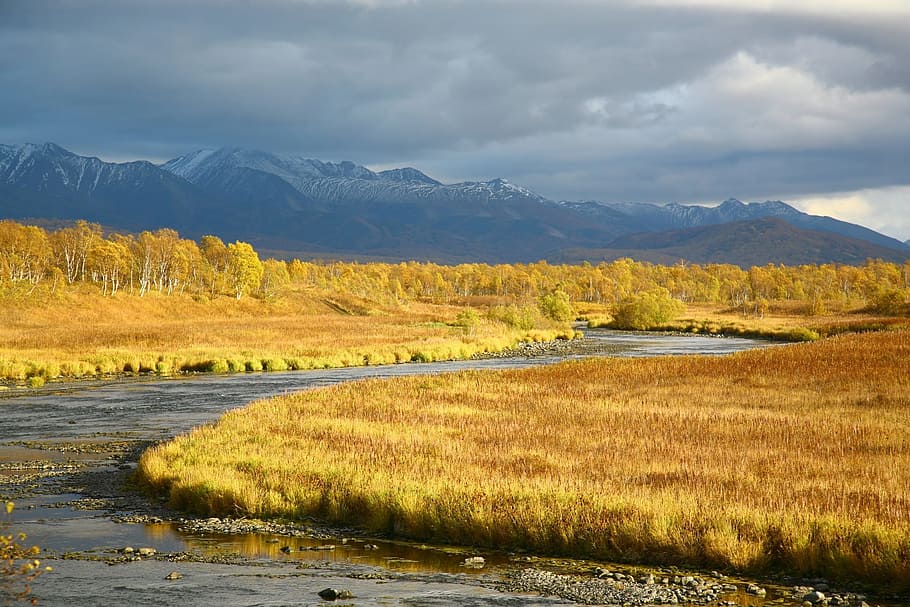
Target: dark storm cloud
578, 98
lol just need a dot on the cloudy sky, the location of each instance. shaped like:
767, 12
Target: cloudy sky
689, 101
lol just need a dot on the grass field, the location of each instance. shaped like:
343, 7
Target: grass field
794, 458
87, 335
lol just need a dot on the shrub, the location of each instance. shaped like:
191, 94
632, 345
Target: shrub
646, 310
35, 381
556, 306
18, 565
892, 302
516, 317
467, 319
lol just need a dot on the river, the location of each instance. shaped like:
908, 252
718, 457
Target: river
64, 452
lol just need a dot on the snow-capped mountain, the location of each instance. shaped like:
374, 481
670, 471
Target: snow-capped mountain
52, 169
338, 183
297, 206
45, 180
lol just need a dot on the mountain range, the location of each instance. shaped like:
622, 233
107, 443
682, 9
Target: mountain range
290, 206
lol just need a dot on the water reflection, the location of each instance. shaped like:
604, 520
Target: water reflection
399, 556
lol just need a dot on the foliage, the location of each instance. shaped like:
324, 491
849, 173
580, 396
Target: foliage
890, 301
468, 320
516, 317
34, 263
626, 459
244, 269
18, 567
555, 305
646, 310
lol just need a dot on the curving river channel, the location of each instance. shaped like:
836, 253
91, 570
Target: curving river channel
65, 452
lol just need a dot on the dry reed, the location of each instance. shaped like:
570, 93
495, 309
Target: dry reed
794, 458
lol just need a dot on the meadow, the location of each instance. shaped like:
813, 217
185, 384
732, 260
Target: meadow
794, 458
82, 334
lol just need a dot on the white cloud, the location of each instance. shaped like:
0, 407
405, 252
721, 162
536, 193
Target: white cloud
844, 8
886, 210
743, 102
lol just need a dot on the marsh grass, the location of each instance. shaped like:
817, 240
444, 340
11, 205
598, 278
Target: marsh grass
82, 334
782, 322
792, 458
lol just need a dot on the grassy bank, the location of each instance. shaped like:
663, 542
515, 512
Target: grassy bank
781, 323
79, 335
794, 458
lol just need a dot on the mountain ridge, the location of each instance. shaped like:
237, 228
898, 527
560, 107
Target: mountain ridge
292, 203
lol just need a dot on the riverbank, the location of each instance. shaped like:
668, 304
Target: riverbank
619, 460
87, 336
348, 559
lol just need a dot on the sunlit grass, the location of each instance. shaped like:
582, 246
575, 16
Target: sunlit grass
87, 335
794, 458
783, 322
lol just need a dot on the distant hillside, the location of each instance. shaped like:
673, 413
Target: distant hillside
311, 208
743, 243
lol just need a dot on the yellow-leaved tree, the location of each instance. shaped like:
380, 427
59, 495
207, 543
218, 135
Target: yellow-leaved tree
244, 268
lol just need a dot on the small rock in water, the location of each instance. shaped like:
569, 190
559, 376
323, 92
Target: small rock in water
814, 597
474, 561
370, 547
332, 594
286, 549
128, 550
147, 552
173, 575
756, 590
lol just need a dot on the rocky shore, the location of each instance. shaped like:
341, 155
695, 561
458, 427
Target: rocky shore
580, 346
605, 587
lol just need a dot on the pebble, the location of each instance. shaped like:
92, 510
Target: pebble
619, 589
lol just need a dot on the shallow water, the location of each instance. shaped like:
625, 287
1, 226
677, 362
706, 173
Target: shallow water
59, 426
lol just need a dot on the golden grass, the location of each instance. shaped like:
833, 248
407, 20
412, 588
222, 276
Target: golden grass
782, 322
86, 335
793, 458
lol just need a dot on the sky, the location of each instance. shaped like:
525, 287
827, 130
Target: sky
688, 101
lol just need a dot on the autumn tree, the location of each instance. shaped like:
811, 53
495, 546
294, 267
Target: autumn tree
71, 247
24, 252
109, 261
244, 269
217, 259
275, 278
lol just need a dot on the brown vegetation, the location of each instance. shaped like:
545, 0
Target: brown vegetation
795, 457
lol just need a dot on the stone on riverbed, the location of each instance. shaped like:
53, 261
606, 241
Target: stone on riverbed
814, 597
474, 562
332, 594
173, 575
756, 590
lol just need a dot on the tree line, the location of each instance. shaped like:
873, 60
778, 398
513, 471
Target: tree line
162, 262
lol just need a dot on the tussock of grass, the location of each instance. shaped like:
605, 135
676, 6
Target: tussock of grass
794, 458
